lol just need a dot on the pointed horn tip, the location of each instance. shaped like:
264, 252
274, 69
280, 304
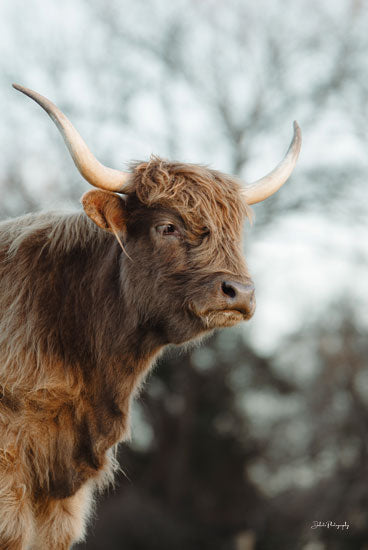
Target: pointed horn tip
23, 89
297, 130
18, 87
28, 92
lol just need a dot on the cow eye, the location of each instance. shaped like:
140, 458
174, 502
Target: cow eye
168, 229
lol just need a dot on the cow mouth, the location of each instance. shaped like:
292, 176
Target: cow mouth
225, 317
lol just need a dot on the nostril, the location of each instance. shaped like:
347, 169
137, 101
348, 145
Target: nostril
228, 289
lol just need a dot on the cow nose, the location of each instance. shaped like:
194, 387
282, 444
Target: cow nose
239, 296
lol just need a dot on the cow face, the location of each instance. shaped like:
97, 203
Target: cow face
180, 227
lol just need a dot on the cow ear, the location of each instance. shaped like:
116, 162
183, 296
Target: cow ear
106, 209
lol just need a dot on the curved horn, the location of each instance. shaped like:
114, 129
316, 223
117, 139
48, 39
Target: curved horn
90, 168
269, 184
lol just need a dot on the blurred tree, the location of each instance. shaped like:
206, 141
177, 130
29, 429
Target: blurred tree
318, 475
201, 81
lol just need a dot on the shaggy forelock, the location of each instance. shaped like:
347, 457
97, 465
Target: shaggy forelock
208, 201
204, 198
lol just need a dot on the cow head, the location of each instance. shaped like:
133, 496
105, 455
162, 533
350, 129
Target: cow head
180, 228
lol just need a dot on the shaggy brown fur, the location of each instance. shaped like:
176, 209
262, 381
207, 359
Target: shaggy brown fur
81, 322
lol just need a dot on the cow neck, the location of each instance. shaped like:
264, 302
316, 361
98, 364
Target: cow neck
111, 353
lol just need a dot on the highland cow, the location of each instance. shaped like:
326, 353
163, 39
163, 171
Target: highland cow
88, 301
